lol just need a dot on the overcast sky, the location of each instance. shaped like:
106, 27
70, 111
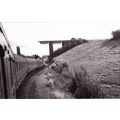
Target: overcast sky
28, 21
26, 35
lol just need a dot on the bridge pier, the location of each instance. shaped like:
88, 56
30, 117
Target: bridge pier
50, 48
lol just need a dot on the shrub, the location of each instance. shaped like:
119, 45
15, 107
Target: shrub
75, 82
116, 34
82, 87
62, 75
68, 45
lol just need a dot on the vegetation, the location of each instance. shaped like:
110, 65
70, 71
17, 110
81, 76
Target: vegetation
116, 34
68, 45
75, 82
82, 87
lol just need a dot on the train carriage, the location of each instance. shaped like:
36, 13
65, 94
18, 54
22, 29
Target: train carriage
6, 54
21, 69
13, 68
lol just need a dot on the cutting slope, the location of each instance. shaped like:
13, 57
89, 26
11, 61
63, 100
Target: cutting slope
101, 60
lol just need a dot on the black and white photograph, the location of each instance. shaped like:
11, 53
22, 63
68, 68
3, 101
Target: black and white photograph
59, 60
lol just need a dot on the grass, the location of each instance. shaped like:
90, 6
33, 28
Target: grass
82, 87
100, 60
76, 83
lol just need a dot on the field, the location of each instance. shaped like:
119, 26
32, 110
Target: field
90, 70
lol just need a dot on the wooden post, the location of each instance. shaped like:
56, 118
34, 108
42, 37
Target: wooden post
18, 51
51, 48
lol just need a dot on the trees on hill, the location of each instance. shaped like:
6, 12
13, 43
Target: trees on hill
116, 34
69, 45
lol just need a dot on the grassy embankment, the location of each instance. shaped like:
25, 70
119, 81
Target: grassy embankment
90, 70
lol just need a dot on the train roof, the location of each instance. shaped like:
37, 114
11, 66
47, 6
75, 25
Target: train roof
19, 58
6, 38
22, 58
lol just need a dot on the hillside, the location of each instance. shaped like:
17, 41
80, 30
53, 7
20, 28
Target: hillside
90, 70
101, 60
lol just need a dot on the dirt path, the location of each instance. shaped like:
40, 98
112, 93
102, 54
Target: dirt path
36, 87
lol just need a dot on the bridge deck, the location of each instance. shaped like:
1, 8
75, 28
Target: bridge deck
53, 41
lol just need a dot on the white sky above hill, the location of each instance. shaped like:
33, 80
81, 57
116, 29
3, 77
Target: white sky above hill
26, 35
27, 21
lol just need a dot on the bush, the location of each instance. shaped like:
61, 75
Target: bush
82, 87
62, 75
68, 45
116, 34
77, 83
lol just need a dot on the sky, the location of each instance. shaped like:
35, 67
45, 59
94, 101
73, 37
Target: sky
28, 21
27, 34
